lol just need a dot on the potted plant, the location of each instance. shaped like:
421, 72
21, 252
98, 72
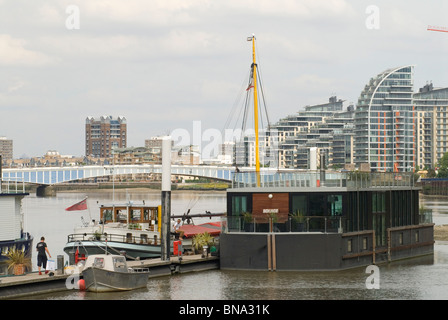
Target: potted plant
248, 221
18, 260
298, 219
97, 235
201, 240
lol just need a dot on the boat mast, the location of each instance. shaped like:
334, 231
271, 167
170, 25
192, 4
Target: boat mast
254, 84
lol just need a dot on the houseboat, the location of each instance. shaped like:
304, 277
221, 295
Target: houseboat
134, 230
323, 220
12, 234
320, 220
131, 229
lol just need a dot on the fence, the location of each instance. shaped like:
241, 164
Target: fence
292, 224
306, 179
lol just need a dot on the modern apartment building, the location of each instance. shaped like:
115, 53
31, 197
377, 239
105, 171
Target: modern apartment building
104, 134
327, 128
384, 122
431, 107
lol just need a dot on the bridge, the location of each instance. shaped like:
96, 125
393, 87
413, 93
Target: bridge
54, 175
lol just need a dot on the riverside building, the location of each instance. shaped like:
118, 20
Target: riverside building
431, 125
104, 134
385, 122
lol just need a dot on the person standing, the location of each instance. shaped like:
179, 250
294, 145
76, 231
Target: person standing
42, 251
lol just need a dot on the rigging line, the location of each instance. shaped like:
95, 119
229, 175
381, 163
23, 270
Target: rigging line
261, 86
264, 100
245, 115
246, 104
235, 105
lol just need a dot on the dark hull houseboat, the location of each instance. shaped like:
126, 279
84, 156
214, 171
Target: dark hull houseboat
323, 221
320, 220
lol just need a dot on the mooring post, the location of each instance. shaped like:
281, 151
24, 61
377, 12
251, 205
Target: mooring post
166, 198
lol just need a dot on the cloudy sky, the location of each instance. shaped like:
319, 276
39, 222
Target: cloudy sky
163, 64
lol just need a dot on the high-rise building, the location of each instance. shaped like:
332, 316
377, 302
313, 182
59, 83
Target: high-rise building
104, 134
384, 122
431, 107
6, 150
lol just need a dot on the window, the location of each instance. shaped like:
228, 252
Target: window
378, 202
364, 243
239, 205
335, 205
98, 263
349, 245
299, 204
119, 264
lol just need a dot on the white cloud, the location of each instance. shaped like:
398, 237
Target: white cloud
18, 84
287, 8
13, 52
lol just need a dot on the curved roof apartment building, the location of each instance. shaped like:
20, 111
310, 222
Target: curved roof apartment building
384, 122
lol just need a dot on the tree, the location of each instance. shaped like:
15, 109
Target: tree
442, 164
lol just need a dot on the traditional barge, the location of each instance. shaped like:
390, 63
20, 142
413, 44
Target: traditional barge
323, 220
132, 229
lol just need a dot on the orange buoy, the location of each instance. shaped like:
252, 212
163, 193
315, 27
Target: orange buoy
81, 284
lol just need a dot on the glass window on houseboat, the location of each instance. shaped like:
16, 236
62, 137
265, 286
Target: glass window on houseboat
334, 202
107, 215
135, 214
146, 214
239, 205
299, 205
121, 214
317, 204
378, 202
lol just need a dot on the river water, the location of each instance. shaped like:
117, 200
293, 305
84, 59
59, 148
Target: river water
423, 278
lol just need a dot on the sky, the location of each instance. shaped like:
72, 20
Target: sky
167, 64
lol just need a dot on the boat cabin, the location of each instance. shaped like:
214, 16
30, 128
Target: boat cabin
110, 262
139, 217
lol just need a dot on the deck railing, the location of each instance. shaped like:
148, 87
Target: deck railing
306, 179
105, 237
12, 185
324, 224
292, 224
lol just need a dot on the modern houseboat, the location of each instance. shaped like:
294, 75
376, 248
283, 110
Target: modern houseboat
320, 220
12, 234
323, 220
